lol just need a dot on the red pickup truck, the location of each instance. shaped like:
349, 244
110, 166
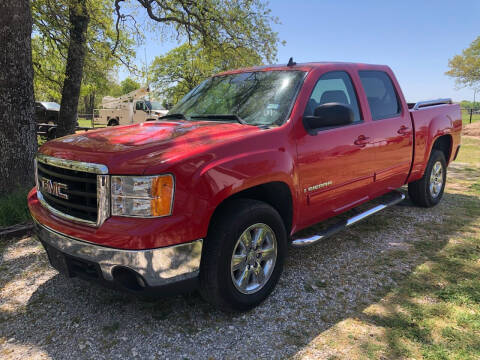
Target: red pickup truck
212, 195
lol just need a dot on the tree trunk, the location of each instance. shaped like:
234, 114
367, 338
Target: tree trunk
86, 101
92, 103
18, 139
74, 70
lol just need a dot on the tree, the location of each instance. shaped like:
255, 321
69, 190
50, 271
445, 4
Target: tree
18, 143
183, 68
465, 68
54, 38
221, 34
128, 85
79, 19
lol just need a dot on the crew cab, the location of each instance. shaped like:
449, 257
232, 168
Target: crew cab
212, 195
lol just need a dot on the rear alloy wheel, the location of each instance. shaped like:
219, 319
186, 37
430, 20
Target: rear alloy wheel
436, 180
428, 191
243, 255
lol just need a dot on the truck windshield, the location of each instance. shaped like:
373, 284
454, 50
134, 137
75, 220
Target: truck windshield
258, 98
154, 105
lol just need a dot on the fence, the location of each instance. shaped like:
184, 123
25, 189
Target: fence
470, 115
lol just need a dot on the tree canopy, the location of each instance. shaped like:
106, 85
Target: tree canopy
181, 69
465, 68
50, 45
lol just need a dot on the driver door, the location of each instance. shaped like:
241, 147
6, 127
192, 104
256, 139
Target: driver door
139, 111
335, 165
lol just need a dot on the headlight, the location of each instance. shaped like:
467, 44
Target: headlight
142, 196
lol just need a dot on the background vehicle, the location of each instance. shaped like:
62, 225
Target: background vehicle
46, 112
211, 196
127, 109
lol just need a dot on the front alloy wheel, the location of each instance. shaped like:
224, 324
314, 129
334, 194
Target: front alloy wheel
253, 258
243, 255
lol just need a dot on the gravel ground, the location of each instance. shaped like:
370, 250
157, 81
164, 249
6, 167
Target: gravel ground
44, 315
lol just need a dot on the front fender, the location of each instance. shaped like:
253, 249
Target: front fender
225, 177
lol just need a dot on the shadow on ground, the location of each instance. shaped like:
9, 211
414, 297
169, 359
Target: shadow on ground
320, 287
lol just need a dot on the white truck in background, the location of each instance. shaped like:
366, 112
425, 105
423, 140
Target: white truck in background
130, 108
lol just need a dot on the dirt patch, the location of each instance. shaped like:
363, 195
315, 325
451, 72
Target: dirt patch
472, 129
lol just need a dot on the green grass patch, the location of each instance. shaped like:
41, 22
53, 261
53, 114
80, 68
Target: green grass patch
14, 209
435, 313
466, 117
470, 152
84, 122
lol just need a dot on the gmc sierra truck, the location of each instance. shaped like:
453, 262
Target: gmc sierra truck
212, 195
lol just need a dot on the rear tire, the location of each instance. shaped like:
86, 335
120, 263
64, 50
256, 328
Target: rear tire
235, 277
428, 191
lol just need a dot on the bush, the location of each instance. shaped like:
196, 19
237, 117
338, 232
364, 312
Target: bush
13, 208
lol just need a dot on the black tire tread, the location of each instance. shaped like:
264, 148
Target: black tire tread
221, 225
418, 190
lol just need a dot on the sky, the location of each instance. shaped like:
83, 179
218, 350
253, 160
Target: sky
415, 38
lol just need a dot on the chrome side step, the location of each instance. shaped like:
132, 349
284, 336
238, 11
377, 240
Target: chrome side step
332, 230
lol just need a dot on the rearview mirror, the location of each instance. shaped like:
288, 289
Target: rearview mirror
327, 116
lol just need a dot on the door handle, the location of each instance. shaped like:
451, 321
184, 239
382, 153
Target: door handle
362, 140
404, 130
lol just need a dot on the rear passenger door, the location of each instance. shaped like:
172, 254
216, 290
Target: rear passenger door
334, 166
393, 133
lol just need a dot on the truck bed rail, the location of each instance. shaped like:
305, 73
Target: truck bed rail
421, 104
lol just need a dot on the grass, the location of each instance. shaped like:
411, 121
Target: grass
84, 123
13, 208
434, 313
466, 117
470, 151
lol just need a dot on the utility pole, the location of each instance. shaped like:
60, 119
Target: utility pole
473, 105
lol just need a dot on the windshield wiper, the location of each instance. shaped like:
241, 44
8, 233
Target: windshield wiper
221, 117
174, 116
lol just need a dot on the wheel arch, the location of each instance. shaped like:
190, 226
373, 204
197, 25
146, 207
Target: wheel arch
443, 143
112, 121
275, 193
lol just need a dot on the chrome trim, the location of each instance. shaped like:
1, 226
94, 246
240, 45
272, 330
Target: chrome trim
61, 214
158, 266
103, 199
103, 187
35, 168
422, 104
73, 164
334, 229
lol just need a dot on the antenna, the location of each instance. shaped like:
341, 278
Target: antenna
291, 62
146, 66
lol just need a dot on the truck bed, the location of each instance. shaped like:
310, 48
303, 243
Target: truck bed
441, 114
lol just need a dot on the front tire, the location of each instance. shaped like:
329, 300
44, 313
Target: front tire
243, 255
113, 122
428, 191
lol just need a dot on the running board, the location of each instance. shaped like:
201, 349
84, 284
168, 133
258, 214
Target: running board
332, 230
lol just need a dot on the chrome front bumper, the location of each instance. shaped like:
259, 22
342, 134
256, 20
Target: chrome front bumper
157, 267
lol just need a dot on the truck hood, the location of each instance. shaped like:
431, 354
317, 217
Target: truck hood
131, 149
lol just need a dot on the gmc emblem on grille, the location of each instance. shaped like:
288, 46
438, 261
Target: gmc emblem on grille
53, 187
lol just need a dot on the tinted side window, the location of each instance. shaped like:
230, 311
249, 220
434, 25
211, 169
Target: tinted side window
381, 94
335, 86
139, 106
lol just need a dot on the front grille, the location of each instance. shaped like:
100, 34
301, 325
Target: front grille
79, 186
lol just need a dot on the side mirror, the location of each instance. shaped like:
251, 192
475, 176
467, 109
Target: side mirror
328, 115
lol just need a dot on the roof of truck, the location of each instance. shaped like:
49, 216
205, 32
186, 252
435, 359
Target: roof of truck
304, 67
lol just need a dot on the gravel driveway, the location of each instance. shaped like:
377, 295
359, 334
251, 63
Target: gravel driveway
44, 315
